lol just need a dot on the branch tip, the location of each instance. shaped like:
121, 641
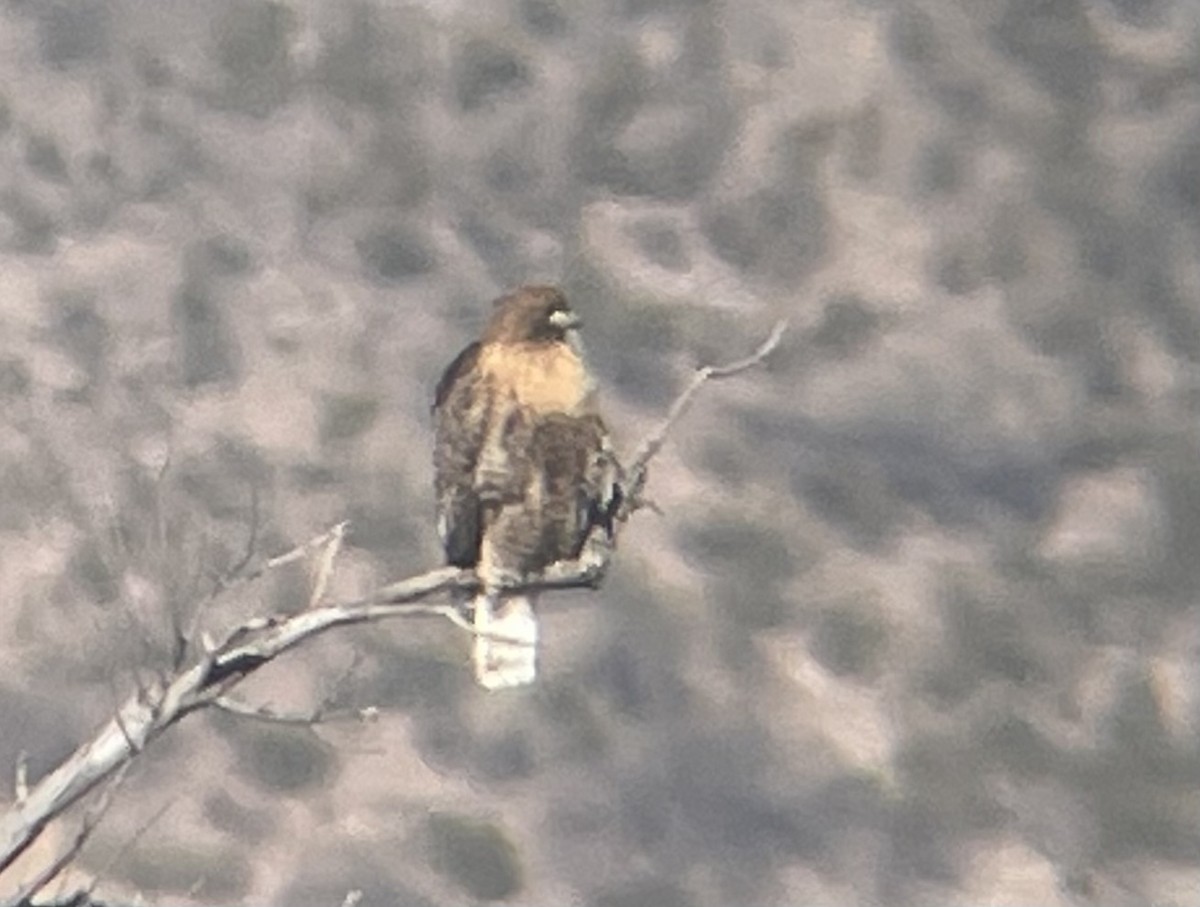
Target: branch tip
21, 781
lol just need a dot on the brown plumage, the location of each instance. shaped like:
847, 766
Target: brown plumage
523, 468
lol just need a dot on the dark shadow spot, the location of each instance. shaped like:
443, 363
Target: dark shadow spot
395, 253
849, 640
208, 352
284, 759
847, 325
345, 417
485, 71
43, 156
72, 32
477, 856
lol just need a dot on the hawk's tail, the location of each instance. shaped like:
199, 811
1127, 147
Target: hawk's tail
505, 651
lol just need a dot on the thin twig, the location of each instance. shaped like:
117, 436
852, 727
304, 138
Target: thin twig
21, 781
636, 471
251, 534
323, 569
126, 847
282, 560
231, 578
269, 715
326, 712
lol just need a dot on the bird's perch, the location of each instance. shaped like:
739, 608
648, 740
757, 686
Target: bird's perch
222, 665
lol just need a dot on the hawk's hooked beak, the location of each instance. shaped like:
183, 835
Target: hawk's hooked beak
565, 320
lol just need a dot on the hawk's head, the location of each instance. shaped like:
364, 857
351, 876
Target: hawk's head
531, 314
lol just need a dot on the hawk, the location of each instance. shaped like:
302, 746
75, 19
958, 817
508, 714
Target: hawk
523, 468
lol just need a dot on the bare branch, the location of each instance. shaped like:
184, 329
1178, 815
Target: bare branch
87, 825
323, 714
636, 471
21, 781
323, 569
326, 712
251, 534
125, 734
156, 706
222, 665
244, 577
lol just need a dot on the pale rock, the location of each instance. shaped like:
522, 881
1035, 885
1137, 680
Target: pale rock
1112, 517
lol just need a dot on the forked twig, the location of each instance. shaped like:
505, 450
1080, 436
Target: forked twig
637, 470
323, 569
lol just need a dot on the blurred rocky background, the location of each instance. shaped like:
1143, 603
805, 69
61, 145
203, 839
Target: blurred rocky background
918, 623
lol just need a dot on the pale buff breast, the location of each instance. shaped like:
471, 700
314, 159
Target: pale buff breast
547, 378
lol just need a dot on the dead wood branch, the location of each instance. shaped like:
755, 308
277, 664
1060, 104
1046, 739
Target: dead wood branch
91, 819
637, 470
220, 666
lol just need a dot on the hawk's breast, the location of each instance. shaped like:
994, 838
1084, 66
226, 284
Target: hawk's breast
543, 377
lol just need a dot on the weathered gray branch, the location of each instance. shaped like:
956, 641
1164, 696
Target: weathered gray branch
221, 666
638, 468
91, 819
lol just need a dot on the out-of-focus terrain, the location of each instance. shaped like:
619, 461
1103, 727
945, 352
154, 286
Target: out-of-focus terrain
918, 623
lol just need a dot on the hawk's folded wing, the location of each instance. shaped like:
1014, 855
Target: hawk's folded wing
460, 427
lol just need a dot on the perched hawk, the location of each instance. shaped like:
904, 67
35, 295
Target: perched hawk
523, 467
